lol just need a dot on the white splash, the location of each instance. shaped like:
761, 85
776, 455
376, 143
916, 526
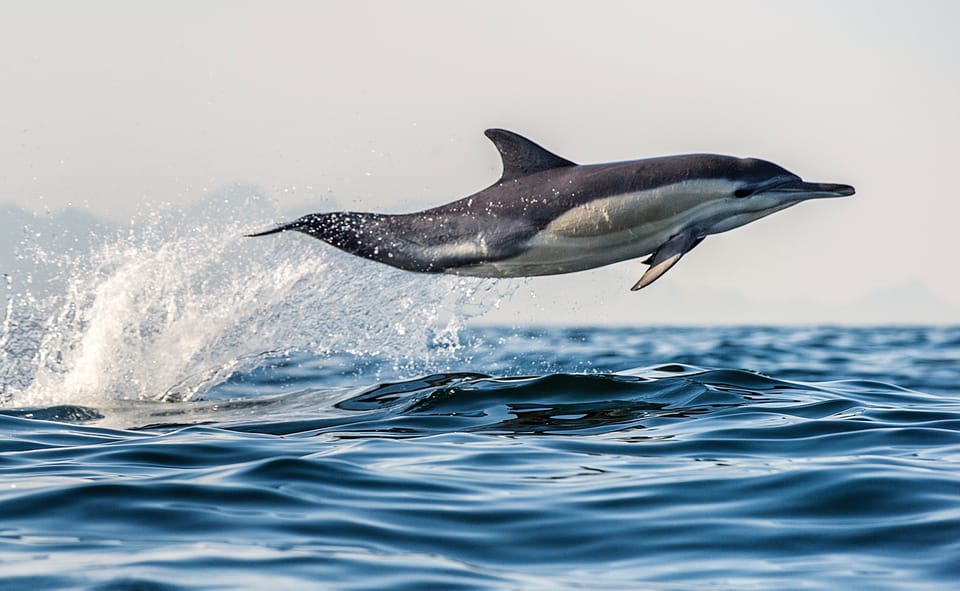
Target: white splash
181, 300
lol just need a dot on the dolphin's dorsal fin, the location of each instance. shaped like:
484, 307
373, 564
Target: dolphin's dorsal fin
521, 156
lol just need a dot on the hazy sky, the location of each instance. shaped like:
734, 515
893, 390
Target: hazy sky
382, 105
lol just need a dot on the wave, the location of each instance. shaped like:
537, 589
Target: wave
646, 403
669, 476
179, 301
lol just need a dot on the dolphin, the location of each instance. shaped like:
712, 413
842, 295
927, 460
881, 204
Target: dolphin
547, 215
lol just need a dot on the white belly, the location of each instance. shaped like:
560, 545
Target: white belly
610, 230
549, 254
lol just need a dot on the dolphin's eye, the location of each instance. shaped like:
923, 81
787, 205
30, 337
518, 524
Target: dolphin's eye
740, 193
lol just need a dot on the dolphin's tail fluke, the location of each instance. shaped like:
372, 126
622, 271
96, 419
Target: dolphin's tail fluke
281, 228
369, 235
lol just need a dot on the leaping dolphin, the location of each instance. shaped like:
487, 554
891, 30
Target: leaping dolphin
547, 215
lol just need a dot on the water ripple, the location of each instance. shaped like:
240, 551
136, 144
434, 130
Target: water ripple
670, 476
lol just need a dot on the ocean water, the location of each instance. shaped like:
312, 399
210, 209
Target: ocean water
182, 413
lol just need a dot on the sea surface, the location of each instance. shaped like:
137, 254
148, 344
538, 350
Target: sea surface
182, 414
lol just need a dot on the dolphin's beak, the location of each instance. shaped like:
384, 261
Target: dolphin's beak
800, 190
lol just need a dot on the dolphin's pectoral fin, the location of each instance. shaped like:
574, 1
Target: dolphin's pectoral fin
667, 256
521, 157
